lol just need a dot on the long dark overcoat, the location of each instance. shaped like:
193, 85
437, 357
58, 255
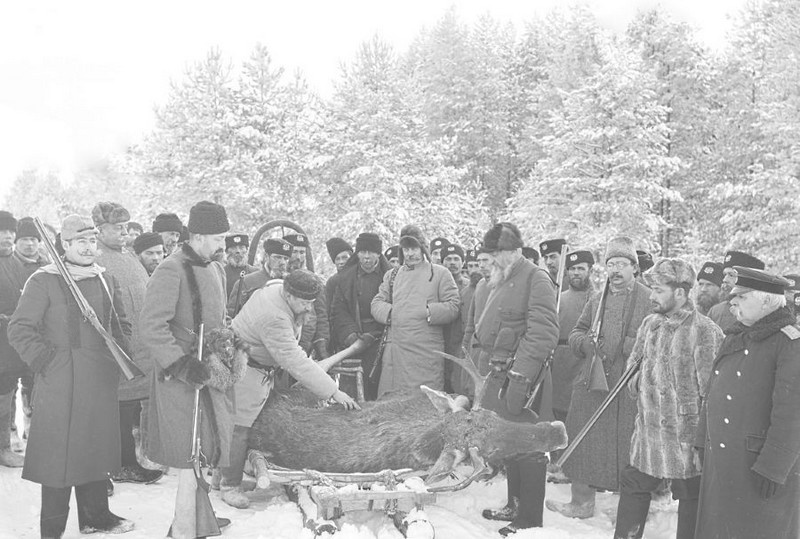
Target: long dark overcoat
166, 328
74, 436
525, 304
751, 422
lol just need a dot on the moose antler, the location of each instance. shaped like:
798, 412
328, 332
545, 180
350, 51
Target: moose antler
480, 381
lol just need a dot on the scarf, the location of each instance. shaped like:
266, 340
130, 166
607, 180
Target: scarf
79, 273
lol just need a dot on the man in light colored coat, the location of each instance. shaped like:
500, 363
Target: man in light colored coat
416, 301
271, 323
676, 346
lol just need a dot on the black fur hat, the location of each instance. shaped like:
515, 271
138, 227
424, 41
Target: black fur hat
502, 237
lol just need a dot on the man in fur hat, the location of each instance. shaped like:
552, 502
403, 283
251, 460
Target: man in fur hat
749, 430
416, 300
722, 312
676, 346
236, 265
185, 291
453, 260
111, 221
170, 227
277, 253
392, 254
340, 252
269, 324
437, 244
599, 460
74, 438
149, 249
351, 318
709, 281
513, 336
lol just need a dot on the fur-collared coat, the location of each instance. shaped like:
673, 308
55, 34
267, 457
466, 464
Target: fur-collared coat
74, 437
166, 329
676, 353
751, 423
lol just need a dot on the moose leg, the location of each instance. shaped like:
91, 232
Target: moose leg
316, 523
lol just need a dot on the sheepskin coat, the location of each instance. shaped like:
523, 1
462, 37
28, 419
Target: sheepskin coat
676, 353
751, 423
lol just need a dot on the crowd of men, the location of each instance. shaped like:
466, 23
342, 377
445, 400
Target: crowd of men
712, 413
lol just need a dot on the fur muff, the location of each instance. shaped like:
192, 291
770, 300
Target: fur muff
226, 357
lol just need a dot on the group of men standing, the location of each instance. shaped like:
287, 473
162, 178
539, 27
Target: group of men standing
713, 413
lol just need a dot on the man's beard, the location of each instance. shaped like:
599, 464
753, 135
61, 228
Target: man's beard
295, 264
237, 261
501, 268
580, 283
706, 301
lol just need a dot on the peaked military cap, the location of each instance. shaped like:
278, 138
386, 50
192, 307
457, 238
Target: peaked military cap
278, 246
794, 279
452, 249
471, 255
579, 257
711, 272
298, 240
552, 246
738, 258
755, 279
439, 243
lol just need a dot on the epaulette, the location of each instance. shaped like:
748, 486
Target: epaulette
791, 331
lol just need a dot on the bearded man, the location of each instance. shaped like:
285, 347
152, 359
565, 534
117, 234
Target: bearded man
551, 255
749, 430
566, 366
236, 265
185, 291
316, 329
709, 282
276, 262
514, 335
676, 346
416, 301
170, 227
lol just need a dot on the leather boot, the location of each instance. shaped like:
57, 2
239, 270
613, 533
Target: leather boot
508, 512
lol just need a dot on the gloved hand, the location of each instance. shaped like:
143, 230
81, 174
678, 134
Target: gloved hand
767, 488
188, 369
353, 337
516, 393
588, 347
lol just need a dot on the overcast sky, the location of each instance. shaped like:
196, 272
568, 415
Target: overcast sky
80, 78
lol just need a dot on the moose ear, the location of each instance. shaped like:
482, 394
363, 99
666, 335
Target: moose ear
443, 402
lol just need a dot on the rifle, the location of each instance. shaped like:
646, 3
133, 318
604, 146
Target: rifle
126, 365
597, 375
206, 520
537, 382
621, 383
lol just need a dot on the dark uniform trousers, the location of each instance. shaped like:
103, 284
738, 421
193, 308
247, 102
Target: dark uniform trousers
92, 500
636, 490
530, 471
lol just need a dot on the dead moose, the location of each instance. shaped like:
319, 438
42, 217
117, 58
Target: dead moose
424, 430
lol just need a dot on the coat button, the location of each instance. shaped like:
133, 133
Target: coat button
726, 420
728, 397
739, 374
716, 372
746, 352
722, 446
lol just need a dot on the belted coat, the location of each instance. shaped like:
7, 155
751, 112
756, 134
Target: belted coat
751, 423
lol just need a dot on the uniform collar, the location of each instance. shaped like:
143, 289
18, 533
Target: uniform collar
766, 327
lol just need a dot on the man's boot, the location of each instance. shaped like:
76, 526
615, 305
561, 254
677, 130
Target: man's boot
533, 479
8, 457
235, 497
581, 506
511, 509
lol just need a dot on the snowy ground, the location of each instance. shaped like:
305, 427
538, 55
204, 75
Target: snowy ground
271, 515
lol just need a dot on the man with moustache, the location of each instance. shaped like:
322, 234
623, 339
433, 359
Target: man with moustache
75, 430
149, 248
599, 460
520, 311
416, 302
749, 430
316, 329
185, 291
275, 266
676, 346
551, 255
170, 227
236, 260
566, 366
340, 252
269, 325
477, 302
709, 281
351, 316
721, 313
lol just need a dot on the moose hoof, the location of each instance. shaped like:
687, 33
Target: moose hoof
325, 527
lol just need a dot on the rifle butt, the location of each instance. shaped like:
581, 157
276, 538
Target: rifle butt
206, 520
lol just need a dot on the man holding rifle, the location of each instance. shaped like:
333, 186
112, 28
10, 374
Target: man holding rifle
675, 347
74, 439
603, 338
185, 291
514, 334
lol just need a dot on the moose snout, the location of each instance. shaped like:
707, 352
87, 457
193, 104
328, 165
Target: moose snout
558, 435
